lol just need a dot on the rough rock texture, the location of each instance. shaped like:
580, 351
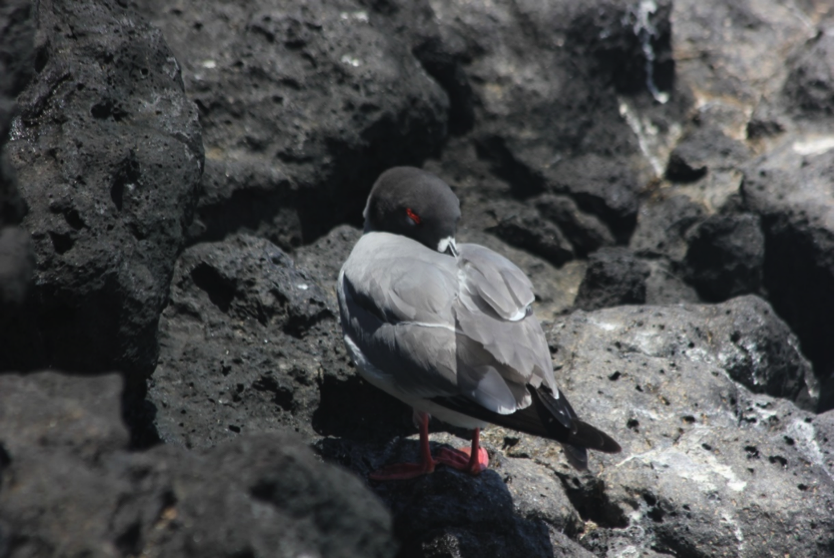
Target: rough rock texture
663, 226
671, 151
614, 277
807, 91
517, 508
108, 153
725, 256
17, 34
244, 343
710, 458
69, 488
585, 232
701, 150
757, 140
793, 194
707, 464
529, 65
302, 105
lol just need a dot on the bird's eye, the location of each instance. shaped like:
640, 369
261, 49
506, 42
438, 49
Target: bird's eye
413, 216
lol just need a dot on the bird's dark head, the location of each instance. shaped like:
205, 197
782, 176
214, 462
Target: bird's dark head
414, 203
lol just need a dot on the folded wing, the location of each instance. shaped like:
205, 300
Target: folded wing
500, 342
396, 307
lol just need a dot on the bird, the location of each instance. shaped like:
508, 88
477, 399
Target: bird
449, 329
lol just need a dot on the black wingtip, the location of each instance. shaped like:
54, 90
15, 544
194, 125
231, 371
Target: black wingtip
581, 434
593, 438
576, 456
545, 417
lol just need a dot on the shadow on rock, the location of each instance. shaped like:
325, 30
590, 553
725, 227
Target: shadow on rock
452, 514
70, 487
350, 407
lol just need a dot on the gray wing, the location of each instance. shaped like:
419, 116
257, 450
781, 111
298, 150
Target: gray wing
501, 347
396, 299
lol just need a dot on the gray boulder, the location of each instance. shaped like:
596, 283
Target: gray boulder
614, 277
68, 486
108, 154
716, 461
302, 105
17, 34
793, 193
725, 256
708, 464
244, 343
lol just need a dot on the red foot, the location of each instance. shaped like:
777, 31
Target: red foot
402, 471
461, 459
472, 460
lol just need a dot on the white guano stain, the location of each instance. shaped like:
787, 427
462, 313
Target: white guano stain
689, 461
349, 60
607, 326
359, 15
814, 146
804, 441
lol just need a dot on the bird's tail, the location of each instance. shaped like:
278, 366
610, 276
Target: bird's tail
548, 417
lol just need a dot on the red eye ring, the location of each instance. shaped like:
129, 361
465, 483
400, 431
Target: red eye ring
413, 216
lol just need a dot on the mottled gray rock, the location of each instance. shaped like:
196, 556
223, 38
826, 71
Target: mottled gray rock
726, 256
757, 139
108, 152
244, 342
808, 89
17, 34
725, 53
793, 194
324, 258
516, 508
603, 186
79, 414
663, 226
523, 226
69, 488
531, 65
708, 468
701, 150
666, 285
16, 51
283, 500
585, 232
302, 106
614, 276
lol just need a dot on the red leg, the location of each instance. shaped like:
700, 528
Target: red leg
471, 460
411, 471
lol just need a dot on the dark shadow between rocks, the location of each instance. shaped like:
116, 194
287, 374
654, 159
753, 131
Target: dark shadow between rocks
354, 409
447, 513
588, 495
139, 414
524, 183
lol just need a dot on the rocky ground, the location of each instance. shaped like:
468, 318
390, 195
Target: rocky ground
180, 183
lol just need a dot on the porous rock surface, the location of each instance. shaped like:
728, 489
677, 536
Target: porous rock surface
661, 170
108, 154
78, 491
302, 105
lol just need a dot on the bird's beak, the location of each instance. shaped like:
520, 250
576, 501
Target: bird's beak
451, 249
